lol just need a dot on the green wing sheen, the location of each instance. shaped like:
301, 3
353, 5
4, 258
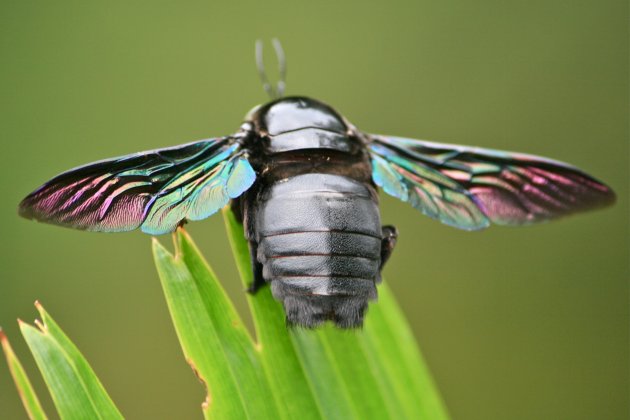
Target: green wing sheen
154, 191
469, 188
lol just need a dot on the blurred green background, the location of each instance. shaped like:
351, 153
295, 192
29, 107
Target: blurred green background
525, 323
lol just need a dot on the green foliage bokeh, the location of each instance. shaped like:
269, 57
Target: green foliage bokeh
514, 323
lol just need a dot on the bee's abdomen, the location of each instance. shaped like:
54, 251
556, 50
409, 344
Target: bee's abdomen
319, 241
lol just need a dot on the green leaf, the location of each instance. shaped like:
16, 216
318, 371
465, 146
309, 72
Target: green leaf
73, 385
373, 373
28, 396
212, 335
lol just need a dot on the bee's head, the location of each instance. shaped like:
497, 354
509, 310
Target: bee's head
299, 123
295, 113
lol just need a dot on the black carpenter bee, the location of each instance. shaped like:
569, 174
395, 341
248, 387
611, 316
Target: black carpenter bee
303, 180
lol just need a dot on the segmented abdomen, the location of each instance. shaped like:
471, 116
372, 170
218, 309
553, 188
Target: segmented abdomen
319, 241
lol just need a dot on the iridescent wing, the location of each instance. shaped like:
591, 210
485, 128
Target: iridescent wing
154, 191
469, 188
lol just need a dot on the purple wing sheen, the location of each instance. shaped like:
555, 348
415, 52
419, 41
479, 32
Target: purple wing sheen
154, 191
470, 187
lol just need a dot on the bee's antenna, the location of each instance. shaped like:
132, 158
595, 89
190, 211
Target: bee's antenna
282, 67
278, 91
260, 65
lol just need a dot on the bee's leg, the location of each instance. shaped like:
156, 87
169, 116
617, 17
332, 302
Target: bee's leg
237, 209
390, 234
257, 267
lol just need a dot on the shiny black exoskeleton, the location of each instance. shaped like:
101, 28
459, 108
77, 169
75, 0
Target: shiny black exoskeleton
312, 218
303, 180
